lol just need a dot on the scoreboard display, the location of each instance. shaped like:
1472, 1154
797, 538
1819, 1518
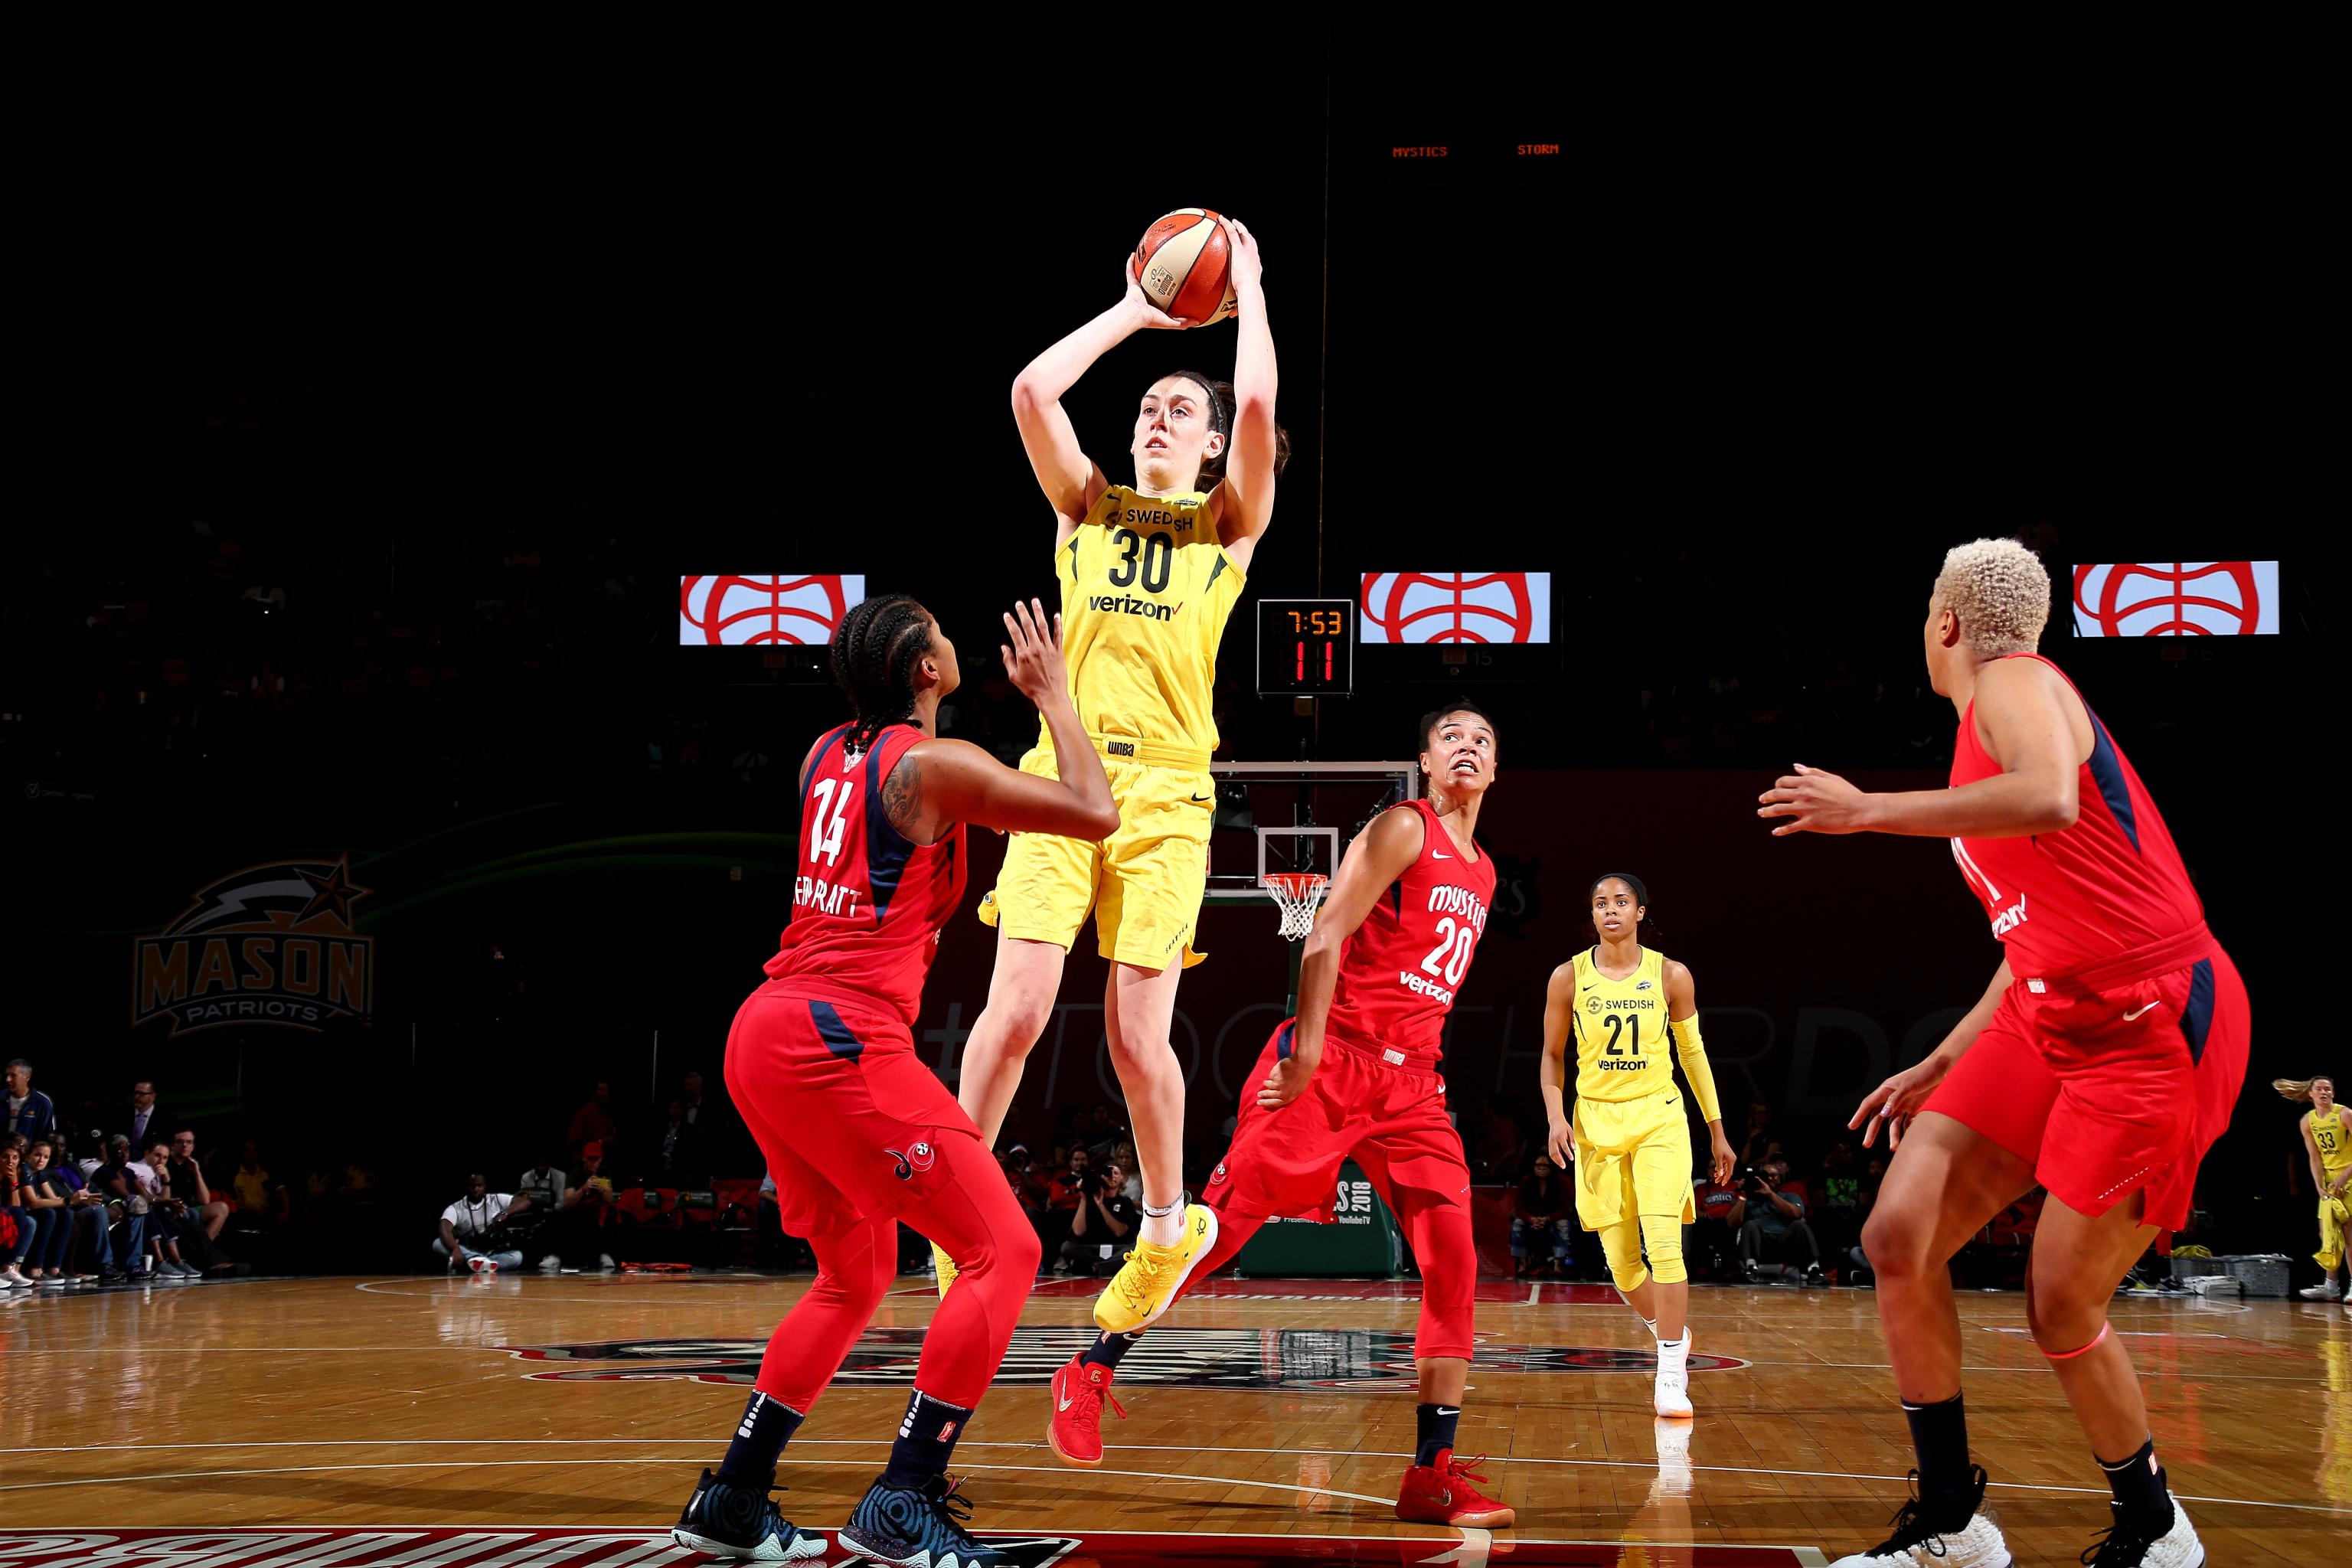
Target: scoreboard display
1306, 647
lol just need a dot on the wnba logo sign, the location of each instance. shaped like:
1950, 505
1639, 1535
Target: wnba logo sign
743, 610
2177, 598
1457, 606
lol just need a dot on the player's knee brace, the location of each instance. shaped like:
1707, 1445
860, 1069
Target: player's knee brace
1663, 1234
1621, 1244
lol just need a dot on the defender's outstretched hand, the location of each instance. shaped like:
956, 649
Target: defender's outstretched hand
1032, 660
1815, 802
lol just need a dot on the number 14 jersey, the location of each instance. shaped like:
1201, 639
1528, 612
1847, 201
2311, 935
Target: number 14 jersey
1399, 973
1623, 1049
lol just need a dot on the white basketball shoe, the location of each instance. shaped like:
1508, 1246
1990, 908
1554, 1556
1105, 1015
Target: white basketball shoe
1916, 1544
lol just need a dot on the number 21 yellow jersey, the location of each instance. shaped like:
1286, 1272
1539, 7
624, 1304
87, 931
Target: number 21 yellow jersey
1622, 1043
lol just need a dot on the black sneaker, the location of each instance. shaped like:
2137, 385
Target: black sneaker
1748, 1273
1813, 1274
2127, 1545
1977, 1543
736, 1522
909, 1529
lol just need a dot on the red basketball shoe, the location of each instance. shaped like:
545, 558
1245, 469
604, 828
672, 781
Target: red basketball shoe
1076, 1429
1442, 1494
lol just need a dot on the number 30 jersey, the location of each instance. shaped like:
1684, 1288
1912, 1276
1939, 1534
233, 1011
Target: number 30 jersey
1146, 590
1400, 971
868, 902
1623, 1049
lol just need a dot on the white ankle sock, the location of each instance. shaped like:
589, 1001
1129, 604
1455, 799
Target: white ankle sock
1162, 1230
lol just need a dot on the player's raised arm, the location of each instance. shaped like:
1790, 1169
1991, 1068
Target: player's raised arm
941, 782
1381, 853
2026, 715
1071, 480
1247, 498
1682, 1017
1560, 1022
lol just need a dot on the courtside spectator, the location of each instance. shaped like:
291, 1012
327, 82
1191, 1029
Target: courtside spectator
1711, 1242
257, 1194
543, 1185
1773, 1224
678, 1159
473, 1229
588, 1212
188, 1185
143, 1123
168, 1219
61, 1216
1105, 1218
16, 1217
1543, 1222
593, 1122
30, 1114
1836, 1199
113, 1181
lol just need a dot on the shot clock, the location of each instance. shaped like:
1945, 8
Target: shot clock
1306, 647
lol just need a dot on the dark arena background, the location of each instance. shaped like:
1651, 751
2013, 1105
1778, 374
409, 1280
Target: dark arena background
376, 789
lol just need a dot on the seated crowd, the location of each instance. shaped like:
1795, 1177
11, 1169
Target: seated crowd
99, 1208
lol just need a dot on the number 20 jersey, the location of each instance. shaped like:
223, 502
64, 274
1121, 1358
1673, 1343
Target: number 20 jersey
1146, 591
868, 902
1400, 973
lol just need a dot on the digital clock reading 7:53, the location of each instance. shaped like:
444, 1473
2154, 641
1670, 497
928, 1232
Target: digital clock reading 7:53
1306, 647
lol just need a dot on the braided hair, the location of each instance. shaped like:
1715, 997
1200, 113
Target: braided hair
1220, 421
874, 651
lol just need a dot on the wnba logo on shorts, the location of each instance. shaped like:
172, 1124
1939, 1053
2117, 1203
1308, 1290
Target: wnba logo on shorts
919, 1157
1218, 1175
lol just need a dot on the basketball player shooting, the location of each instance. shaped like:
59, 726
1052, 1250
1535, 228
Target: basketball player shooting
1354, 1075
2101, 1063
1150, 570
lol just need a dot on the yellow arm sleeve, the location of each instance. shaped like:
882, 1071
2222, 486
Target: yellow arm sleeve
1691, 1051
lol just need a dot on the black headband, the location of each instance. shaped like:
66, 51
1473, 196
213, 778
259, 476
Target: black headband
1641, 893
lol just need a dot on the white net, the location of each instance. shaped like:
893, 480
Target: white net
1296, 894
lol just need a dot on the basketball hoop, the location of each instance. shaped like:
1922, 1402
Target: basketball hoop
1296, 893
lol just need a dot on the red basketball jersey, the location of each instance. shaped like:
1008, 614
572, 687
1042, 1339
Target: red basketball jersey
1399, 973
2109, 892
869, 903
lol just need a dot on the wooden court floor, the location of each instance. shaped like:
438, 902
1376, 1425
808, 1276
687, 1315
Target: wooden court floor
1271, 1417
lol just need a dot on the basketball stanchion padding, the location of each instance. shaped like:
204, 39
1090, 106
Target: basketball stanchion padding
1296, 893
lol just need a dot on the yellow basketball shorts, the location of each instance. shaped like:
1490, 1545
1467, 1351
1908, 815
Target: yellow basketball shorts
1143, 883
1632, 1158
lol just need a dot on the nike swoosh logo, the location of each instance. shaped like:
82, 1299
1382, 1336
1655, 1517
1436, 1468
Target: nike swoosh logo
1067, 1403
1199, 799
1439, 854
2130, 1016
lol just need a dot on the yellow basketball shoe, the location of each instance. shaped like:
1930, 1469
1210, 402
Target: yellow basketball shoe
1147, 1281
945, 1268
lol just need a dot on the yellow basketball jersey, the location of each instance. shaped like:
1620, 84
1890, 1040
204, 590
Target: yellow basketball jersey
2334, 1139
1623, 1049
1146, 589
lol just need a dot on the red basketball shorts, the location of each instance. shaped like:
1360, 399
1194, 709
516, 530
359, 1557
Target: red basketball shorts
851, 1121
1391, 1120
2109, 1090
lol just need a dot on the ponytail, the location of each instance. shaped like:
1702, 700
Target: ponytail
1222, 403
2299, 1088
874, 651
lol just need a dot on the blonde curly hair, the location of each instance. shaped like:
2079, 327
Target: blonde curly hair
2001, 593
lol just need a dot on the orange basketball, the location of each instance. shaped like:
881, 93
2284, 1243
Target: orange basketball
1184, 263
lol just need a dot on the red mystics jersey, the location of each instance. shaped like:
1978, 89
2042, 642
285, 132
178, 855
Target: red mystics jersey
869, 903
2109, 891
1399, 973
